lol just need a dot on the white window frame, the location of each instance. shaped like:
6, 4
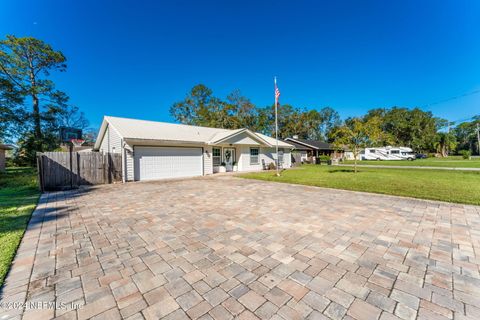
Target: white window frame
219, 157
253, 156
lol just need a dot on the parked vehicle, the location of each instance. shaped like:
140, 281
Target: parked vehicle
421, 156
388, 153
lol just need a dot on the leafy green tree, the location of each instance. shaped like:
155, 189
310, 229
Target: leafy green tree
243, 112
25, 66
357, 134
318, 124
11, 111
466, 135
289, 122
412, 128
201, 108
306, 124
444, 143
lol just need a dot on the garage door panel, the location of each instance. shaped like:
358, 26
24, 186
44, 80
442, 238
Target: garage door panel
167, 162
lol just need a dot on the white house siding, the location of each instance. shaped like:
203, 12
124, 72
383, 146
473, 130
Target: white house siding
287, 158
269, 155
128, 158
207, 160
266, 154
111, 142
241, 139
244, 159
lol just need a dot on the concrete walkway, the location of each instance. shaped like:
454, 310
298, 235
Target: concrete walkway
408, 167
231, 248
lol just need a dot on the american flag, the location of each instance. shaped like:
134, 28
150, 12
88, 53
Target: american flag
277, 91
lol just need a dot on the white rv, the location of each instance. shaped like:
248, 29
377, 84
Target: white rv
387, 153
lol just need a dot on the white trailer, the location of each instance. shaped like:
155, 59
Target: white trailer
388, 153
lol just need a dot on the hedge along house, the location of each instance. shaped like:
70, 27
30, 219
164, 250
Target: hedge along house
158, 150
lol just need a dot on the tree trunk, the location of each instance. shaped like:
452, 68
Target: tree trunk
36, 110
355, 153
36, 117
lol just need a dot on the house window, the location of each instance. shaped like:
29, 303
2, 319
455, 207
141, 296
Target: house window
254, 159
216, 156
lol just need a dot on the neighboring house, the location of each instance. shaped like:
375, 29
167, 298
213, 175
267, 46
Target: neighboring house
310, 150
158, 150
349, 155
3, 149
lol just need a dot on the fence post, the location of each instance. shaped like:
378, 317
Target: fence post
110, 173
77, 165
60, 169
40, 172
104, 171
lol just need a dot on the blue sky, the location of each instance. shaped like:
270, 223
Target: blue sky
135, 58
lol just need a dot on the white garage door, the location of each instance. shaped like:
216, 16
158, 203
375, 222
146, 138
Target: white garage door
167, 162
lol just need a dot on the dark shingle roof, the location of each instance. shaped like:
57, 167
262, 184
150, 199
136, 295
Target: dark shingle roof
313, 144
299, 146
5, 146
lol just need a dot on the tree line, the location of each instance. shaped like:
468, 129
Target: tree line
409, 127
32, 109
200, 107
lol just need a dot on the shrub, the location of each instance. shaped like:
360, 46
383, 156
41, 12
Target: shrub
324, 158
9, 162
271, 166
466, 154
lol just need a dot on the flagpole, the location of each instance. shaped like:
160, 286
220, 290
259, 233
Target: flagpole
276, 123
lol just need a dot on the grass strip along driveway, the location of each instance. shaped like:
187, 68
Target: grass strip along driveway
451, 186
449, 162
18, 198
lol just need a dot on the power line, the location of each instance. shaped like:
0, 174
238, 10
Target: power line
453, 98
453, 123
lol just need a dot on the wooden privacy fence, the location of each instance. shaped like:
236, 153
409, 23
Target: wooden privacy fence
59, 170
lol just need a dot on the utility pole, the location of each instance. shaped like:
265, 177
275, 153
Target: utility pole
277, 95
478, 138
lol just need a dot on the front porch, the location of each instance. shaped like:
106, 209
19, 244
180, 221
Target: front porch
224, 159
246, 151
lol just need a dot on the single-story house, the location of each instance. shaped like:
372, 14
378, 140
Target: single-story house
3, 148
349, 155
310, 150
158, 150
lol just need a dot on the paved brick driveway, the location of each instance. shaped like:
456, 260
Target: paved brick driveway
224, 247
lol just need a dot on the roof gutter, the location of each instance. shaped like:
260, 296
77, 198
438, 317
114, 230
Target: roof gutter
250, 133
101, 134
303, 143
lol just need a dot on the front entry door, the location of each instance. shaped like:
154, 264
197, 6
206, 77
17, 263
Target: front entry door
229, 158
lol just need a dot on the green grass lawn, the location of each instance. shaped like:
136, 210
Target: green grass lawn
452, 186
454, 162
18, 197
